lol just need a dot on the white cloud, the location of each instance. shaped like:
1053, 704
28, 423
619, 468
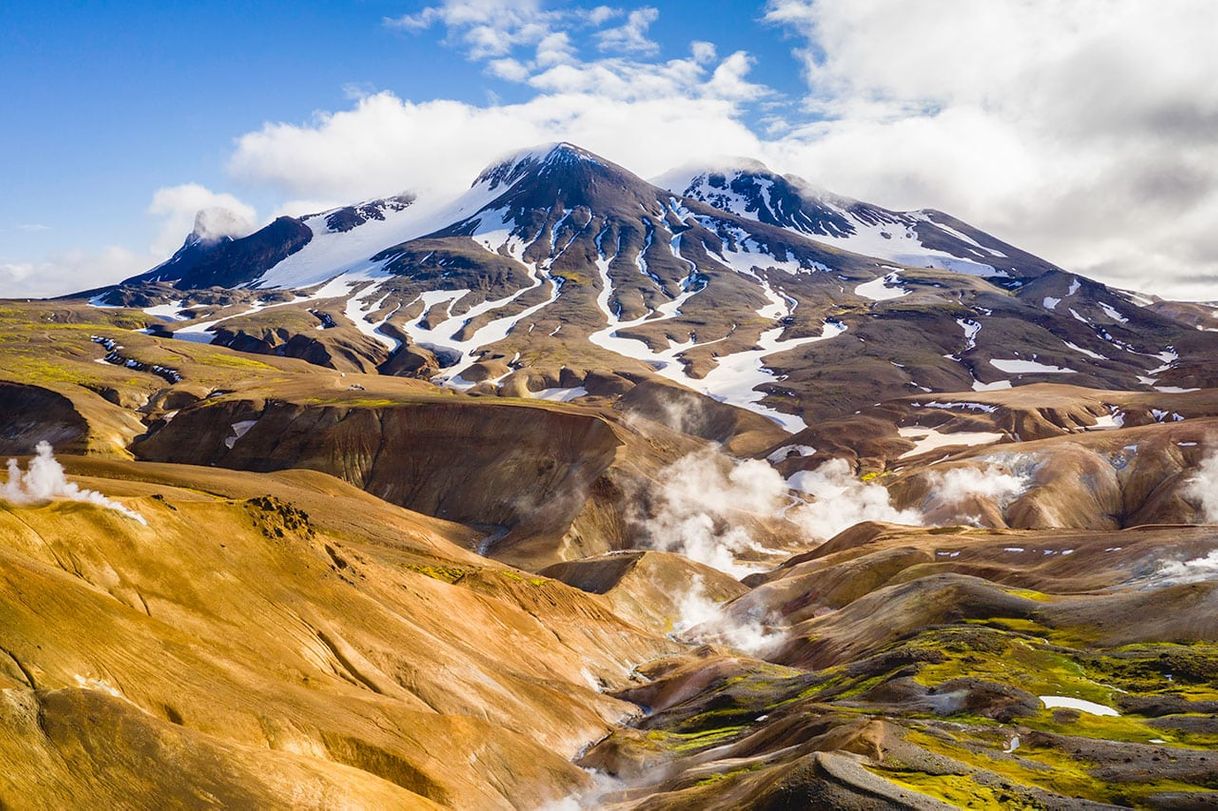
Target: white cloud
729, 79
177, 209
702, 51
500, 32
192, 207
632, 36
486, 29
629, 80
1082, 131
72, 270
511, 70
302, 208
384, 144
555, 49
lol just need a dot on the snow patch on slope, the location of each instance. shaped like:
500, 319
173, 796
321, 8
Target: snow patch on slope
884, 288
1024, 367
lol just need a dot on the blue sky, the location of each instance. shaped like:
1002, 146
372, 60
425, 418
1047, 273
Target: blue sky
106, 102
121, 118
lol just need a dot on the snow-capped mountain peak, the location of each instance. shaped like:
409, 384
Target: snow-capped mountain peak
749, 189
513, 166
559, 187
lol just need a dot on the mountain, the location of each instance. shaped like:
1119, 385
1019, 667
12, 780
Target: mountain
560, 273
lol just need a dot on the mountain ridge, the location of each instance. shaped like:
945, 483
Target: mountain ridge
747, 286
544, 159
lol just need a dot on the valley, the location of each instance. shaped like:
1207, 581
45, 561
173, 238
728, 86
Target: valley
581, 490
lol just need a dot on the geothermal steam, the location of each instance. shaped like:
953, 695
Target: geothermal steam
957, 495
1178, 572
45, 481
704, 620
842, 500
1203, 487
704, 495
700, 495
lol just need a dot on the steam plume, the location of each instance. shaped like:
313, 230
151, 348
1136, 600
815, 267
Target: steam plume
1203, 487
704, 620
45, 481
842, 500
699, 496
